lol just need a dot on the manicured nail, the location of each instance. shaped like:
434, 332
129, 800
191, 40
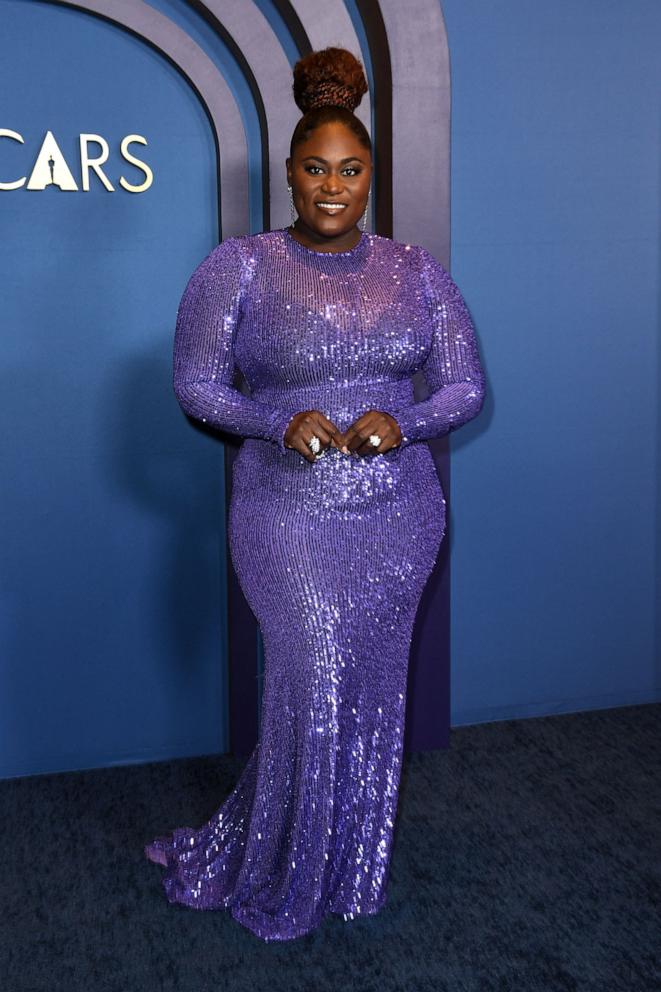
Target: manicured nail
345, 449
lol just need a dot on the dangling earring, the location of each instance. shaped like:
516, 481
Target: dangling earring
366, 206
291, 205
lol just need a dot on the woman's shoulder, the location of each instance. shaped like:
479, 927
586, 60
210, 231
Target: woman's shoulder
417, 260
234, 252
245, 247
418, 256
417, 252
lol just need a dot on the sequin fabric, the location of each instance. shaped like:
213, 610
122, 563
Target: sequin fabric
332, 556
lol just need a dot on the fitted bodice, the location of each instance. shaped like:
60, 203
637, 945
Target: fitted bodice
342, 332
330, 328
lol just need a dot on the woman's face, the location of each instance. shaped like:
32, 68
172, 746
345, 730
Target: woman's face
331, 167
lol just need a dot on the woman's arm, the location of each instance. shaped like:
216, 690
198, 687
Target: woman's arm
203, 361
452, 369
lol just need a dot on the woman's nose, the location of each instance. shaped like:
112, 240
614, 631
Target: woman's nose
333, 184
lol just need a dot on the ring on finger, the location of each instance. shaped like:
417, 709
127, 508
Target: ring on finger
314, 444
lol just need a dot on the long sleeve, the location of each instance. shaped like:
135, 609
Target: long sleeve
203, 360
452, 369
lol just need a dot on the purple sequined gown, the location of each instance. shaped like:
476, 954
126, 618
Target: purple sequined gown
332, 556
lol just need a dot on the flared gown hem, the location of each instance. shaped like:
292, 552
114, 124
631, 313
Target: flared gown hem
259, 923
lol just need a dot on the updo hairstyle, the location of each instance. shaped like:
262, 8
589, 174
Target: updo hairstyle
328, 86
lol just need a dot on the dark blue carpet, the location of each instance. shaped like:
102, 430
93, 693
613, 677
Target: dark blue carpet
527, 857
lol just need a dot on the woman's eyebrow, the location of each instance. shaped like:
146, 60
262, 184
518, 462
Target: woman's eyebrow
351, 158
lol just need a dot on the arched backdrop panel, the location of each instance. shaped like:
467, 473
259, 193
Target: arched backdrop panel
112, 573
132, 694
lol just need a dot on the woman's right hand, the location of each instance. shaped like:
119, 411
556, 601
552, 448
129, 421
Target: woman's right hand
307, 423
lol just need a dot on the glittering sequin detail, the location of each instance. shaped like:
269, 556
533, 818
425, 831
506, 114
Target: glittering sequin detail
332, 556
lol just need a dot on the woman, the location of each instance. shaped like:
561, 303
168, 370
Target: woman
336, 516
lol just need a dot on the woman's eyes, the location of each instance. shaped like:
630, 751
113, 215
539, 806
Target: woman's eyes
350, 168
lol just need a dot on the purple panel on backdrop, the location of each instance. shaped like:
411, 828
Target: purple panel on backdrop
417, 42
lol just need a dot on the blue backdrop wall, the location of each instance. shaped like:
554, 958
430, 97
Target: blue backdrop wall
111, 638
556, 179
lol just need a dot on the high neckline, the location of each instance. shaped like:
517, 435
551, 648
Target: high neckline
333, 254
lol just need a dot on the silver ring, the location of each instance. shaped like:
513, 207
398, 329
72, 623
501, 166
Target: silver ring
314, 444
374, 440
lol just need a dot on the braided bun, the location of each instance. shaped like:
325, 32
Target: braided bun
330, 77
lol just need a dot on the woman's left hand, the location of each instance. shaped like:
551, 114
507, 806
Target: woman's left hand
356, 437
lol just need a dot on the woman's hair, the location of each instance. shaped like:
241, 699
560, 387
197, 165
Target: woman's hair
328, 85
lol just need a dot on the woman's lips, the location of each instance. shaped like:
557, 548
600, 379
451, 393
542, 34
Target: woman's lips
336, 208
